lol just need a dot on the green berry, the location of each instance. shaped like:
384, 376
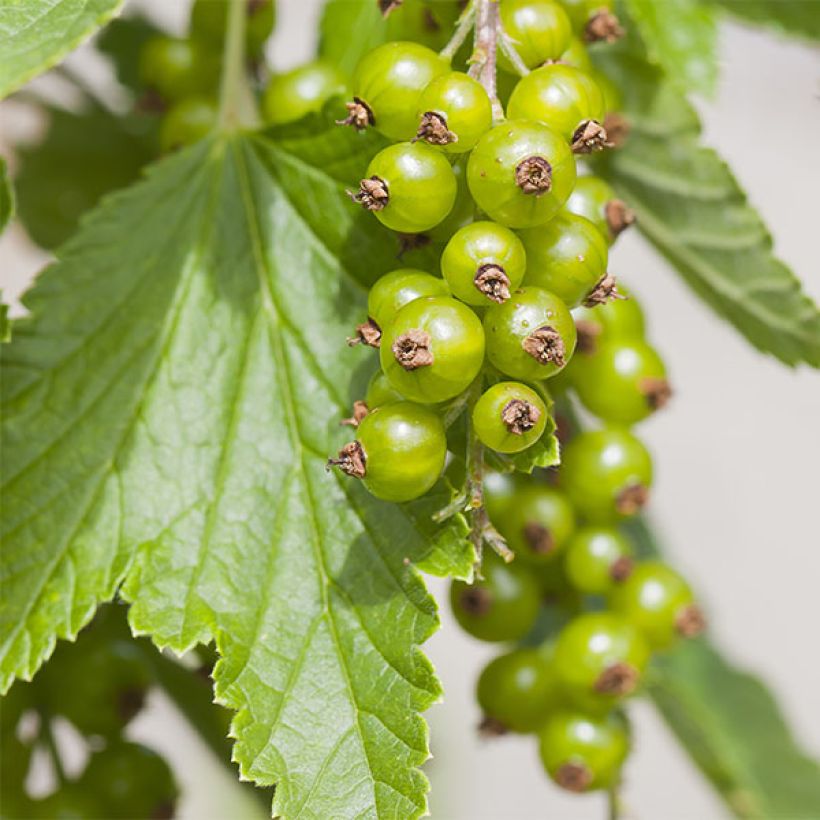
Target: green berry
509, 417
521, 173
516, 691
538, 524
594, 199
598, 558
593, 19
186, 122
500, 491
659, 602
454, 111
576, 54
567, 256
463, 210
565, 98
209, 19
599, 660
379, 392
483, 262
433, 349
531, 336
622, 381
290, 96
500, 607
606, 473
539, 30
613, 98
176, 69
398, 288
398, 453
409, 186
387, 86
620, 318
582, 753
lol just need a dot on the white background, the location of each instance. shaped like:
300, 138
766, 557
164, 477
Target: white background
738, 455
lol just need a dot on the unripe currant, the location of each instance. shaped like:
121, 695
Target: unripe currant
565, 98
521, 173
290, 96
409, 186
576, 54
620, 318
483, 262
509, 417
594, 199
176, 69
432, 349
531, 336
186, 122
568, 256
539, 30
593, 20
398, 453
597, 559
387, 85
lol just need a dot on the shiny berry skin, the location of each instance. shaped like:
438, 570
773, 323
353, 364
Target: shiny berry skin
581, 12
561, 96
454, 111
576, 54
176, 69
509, 417
433, 349
617, 319
463, 211
567, 256
538, 524
597, 559
409, 186
500, 607
582, 753
538, 29
290, 96
516, 691
483, 262
606, 473
188, 121
613, 98
531, 336
521, 173
380, 392
594, 199
659, 602
599, 659
398, 288
209, 19
398, 453
389, 81
500, 490
622, 381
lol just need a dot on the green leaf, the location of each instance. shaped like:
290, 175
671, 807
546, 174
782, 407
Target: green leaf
731, 726
168, 410
692, 209
84, 155
6, 195
122, 41
37, 34
796, 17
681, 36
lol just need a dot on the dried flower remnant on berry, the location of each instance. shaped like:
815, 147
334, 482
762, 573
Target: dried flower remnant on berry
367, 333
604, 291
574, 777
519, 416
546, 346
621, 568
372, 194
590, 136
588, 333
618, 679
491, 727
618, 216
632, 499
539, 538
658, 392
533, 175
433, 130
493, 282
690, 621
388, 6
360, 410
476, 600
351, 460
603, 26
359, 114
412, 349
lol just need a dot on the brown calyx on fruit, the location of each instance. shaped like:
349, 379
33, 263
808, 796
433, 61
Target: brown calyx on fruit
546, 346
351, 460
618, 216
433, 130
589, 136
476, 600
621, 568
359, 114
372, 194
605, 291
604, 26
411, 242
617, 128
574, 777
519, 416
533, 175
690, 621
493, 282
491, 727
388, 6
412, 349
588, 333
632, 499
367, 333
619, 679
539, 538
657, 392
360, 410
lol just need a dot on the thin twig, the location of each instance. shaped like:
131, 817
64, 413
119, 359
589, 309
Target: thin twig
483, 59
463, 27
512, 54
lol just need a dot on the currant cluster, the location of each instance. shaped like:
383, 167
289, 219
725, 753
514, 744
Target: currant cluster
98, 685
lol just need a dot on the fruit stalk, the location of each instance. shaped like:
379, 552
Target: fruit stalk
463, 27
237, 106
483, 60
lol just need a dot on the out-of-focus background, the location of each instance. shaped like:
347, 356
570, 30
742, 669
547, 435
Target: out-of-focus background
737, 451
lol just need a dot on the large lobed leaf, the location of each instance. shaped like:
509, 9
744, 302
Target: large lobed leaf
37, 34
690, 206
796, 17
168, 409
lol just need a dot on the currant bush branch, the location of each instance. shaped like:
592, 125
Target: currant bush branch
483, 59
463, 27
237, 106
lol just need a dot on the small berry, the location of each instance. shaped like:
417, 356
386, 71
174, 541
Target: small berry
594, 199
398, 288
539, 30
209, 19
576, 54
509, 417
290, 96
186, 122
616, 319
380, 392
593, 20
176, 69
597, 558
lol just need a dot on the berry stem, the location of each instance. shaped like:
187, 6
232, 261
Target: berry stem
463, 27
511, 54
237, 106
483, 59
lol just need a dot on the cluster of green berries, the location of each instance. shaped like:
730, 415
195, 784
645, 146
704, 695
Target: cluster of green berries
569, 687
99, 685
